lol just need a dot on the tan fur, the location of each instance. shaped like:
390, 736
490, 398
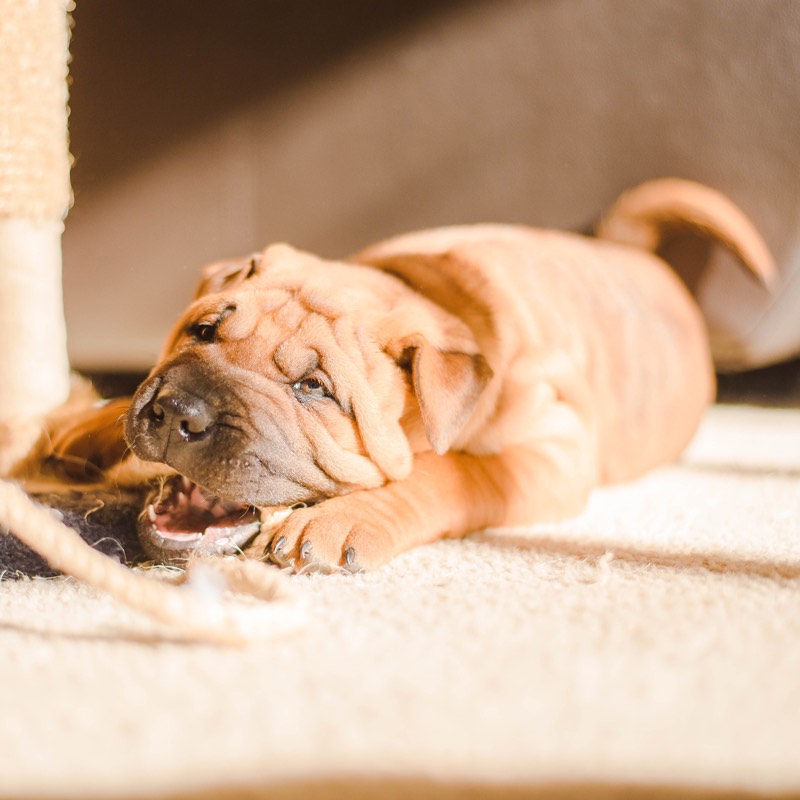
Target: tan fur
483, 375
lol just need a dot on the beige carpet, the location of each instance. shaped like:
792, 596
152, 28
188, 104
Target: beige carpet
649, 648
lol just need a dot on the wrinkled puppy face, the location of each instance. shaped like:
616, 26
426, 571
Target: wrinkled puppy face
292, 379
271, 389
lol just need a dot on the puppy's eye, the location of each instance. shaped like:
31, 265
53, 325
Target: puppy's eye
309, 388
207, 330
204, 331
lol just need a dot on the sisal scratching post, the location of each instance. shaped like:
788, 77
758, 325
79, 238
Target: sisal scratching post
34, 197
34, 369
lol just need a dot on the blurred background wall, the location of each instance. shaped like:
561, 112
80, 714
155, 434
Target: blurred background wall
204, 129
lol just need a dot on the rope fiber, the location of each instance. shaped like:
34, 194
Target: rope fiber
200, 609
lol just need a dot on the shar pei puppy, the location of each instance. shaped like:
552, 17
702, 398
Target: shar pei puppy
432, 385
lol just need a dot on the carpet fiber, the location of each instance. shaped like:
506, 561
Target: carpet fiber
649, 648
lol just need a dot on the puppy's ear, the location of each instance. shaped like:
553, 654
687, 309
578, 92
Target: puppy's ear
229, 274
447, 386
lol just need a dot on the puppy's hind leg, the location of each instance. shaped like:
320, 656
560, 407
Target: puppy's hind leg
82, 444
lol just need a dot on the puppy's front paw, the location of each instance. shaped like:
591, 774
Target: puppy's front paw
342, 533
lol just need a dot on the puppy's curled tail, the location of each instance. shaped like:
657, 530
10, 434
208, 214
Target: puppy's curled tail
642, 216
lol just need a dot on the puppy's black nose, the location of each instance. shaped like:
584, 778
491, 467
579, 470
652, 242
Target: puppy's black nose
188, 415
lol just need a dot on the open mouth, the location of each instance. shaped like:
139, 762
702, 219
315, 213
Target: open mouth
180, 519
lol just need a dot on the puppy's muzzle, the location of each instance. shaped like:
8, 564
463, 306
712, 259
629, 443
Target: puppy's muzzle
174, 417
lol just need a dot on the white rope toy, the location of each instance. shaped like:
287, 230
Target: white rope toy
196, 610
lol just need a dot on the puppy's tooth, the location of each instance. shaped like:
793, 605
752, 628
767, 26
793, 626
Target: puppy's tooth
151, 513
186, 483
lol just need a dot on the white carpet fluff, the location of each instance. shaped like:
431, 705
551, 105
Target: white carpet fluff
650, 647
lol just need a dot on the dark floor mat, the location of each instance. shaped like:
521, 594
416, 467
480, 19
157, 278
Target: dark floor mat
106, 520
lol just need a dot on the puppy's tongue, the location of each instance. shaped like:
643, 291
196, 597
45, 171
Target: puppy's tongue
181, 518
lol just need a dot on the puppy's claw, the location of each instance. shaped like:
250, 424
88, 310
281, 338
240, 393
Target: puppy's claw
305, 549
277, 546
350, 560
274, 552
